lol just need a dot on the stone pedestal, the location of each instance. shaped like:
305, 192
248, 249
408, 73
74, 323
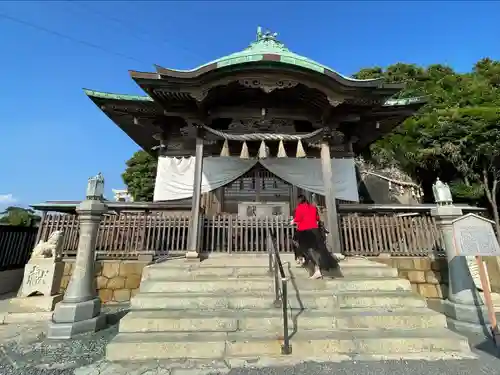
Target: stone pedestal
42, 276
38, 293
80, 309
464, 306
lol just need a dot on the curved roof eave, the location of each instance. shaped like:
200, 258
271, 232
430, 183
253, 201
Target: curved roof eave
115, 96
418, 100
266, 58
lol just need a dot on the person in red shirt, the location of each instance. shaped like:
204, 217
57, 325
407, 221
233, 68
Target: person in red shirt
311, 246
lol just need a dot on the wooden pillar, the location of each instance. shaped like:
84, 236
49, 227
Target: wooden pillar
219, 195
330, 203
293, 198
194, 228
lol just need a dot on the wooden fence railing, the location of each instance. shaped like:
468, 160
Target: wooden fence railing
124, 235
129, 235
227, 233
16, 244
372, 235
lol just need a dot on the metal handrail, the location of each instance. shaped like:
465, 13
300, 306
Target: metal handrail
281, 299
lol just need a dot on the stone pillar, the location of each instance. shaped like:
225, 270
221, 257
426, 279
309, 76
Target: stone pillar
463, 307
80, 309
193, 235
332, 224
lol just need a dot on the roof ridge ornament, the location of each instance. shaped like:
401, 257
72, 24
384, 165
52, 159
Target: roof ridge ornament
267, 35
267, 41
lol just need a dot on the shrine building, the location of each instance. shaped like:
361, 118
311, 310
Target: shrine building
247, 133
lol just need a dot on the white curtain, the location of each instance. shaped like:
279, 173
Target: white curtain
307, 174
175, 176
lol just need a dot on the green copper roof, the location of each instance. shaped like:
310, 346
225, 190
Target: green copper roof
267, 43
109, 95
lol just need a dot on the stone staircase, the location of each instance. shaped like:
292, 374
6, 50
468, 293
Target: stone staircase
222, 309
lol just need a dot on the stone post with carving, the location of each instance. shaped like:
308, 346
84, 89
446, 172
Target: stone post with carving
464, 307
80, 309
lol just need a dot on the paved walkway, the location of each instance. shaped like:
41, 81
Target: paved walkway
25, 351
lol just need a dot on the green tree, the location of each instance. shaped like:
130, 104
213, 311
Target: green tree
469, 139
18, 216
140, 175
454, 136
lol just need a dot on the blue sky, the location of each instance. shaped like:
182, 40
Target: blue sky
52, 137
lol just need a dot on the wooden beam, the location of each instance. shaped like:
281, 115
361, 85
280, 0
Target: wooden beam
245, 112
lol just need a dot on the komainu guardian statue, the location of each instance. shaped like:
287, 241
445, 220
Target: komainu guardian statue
44, 270
52, 248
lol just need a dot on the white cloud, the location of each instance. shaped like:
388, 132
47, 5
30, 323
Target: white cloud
7, 199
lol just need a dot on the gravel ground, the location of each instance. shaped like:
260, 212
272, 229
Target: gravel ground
24, 350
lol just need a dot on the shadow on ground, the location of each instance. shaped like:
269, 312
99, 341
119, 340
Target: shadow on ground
32, 352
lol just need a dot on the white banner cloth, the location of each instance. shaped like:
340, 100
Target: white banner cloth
307, 174
175, 176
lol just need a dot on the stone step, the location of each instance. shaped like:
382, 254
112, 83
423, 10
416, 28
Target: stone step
200, 271
306, 344
262, 259
234, 285
264, 300
272, 321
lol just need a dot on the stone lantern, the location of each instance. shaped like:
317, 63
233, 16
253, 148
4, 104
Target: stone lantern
80, 309
442, 193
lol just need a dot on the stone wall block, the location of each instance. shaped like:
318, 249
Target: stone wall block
422, 264
403, 263
433, 277
106, 295
110, 269
417, 277
428, 290
131, 268
121, 295
102, 282
117, 282
133, 281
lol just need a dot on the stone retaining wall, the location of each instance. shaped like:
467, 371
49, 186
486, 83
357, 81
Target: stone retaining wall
116, 280
428, 277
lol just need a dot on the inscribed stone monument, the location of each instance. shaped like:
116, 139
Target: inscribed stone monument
474, 236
